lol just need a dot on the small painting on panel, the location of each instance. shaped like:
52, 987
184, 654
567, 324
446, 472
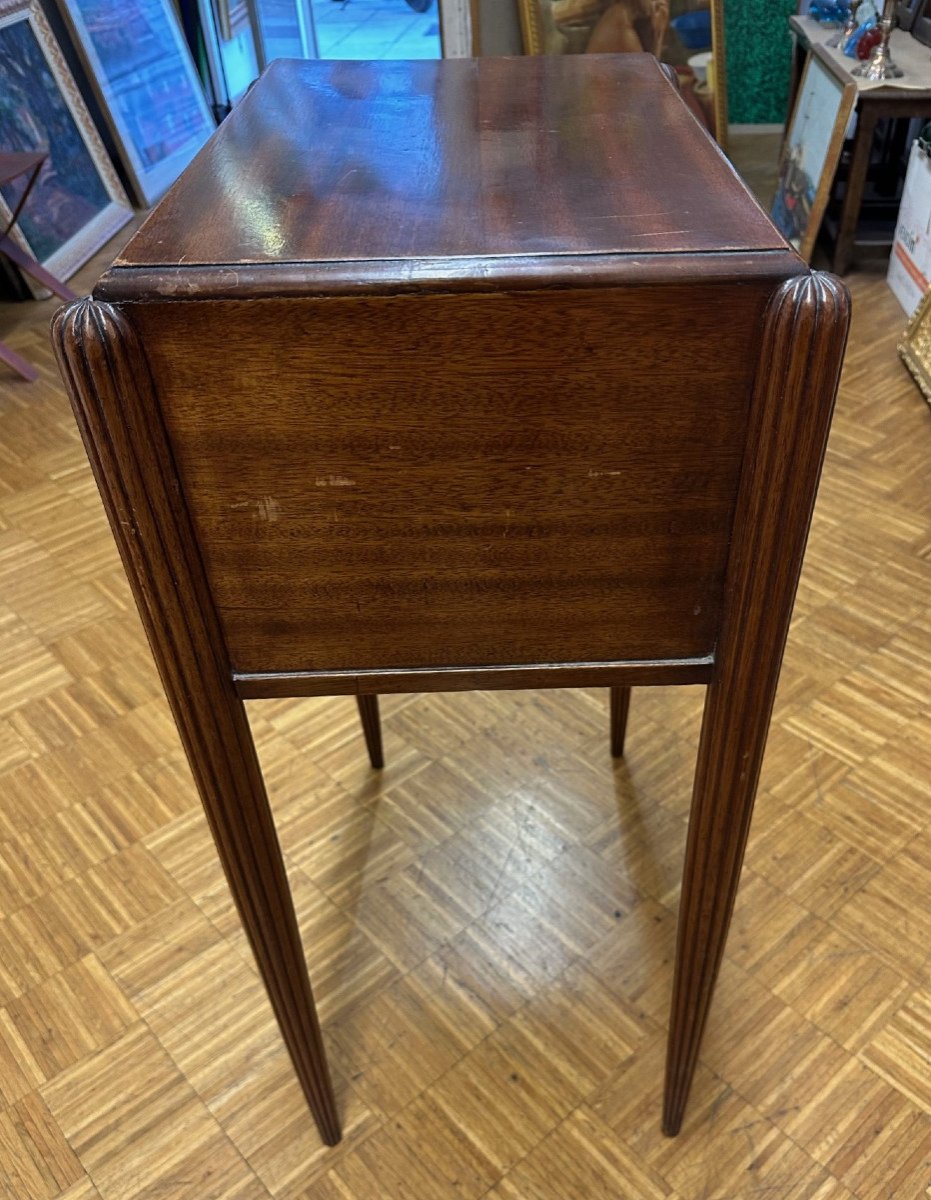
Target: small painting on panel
811, 152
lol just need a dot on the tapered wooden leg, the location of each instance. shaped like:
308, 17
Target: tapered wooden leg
243, 829
118, 415
867, 118
371, 727
790, 415
722, 804
620, 707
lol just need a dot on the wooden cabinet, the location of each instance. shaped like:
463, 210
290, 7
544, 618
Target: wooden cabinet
441, 375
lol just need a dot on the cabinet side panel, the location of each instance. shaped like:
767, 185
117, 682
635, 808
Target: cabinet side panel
472, 479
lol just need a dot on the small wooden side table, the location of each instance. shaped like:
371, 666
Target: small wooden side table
467, 374
13, 164
872, 106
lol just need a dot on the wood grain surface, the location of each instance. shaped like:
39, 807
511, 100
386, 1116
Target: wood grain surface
494, 978
103, 365
426, 470
341, 161
802, 351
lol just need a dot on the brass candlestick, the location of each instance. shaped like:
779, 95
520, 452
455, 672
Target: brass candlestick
879, 65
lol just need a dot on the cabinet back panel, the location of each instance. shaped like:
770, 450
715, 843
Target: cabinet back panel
422, 481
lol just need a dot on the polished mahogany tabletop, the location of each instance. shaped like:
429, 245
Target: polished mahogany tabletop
341, 162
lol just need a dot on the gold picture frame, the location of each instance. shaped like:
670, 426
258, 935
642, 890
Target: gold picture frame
811, 151
915, 346
569, 26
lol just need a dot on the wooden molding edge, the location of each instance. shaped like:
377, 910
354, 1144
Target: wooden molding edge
466, 679
400, 277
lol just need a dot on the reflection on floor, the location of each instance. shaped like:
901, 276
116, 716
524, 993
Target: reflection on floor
370, 29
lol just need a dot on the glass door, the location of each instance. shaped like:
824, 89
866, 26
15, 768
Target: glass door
240, 38
286, 28
378, 29
234, 40
232, 48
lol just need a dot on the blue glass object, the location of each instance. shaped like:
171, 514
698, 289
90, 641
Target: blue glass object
829, 11
850, 46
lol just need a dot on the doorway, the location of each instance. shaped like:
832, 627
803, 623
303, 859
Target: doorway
234, 40
376, 29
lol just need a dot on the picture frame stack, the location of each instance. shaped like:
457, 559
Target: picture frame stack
78, 202
146, 85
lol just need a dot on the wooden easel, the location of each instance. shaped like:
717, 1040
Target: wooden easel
12, 165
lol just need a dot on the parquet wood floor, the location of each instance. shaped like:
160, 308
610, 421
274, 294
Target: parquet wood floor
489, 921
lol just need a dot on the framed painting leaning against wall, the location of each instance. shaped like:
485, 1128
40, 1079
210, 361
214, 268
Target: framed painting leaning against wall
145, 82
811, 151
77, 203
687, 35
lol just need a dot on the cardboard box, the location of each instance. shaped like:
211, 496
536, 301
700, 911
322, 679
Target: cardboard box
910, 261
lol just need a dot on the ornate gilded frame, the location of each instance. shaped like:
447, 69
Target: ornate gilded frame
915, 346
64, 261
532, 37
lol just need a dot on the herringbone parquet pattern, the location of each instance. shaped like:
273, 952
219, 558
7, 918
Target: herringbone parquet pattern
490, 921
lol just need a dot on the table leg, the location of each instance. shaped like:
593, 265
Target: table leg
233, 793
620, 707
803, 346
371, 727
867, 116
27, 263
108, 378
18, 363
